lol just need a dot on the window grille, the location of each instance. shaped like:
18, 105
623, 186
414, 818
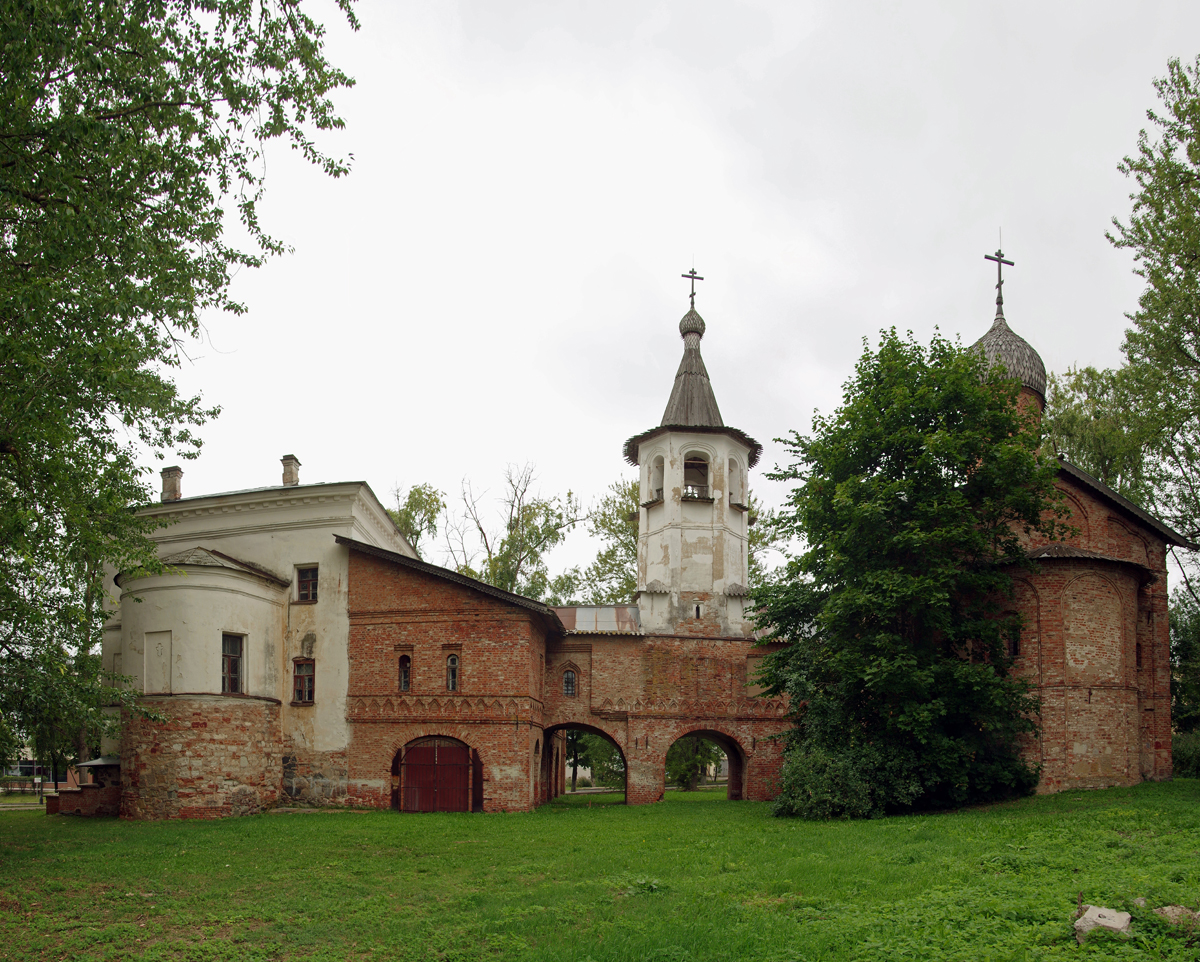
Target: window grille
569, 683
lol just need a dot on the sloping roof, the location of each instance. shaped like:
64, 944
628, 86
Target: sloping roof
692, 402
630, 448
1059, 550
692, 405
446, 574
1167, 533
601, 619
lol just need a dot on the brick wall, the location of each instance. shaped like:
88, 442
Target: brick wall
215, 755
642, 692
1096, 645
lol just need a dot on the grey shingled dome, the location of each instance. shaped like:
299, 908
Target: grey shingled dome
692, 402
1021, 361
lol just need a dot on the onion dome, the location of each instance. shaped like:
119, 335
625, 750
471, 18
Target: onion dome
691, 323
1001, 345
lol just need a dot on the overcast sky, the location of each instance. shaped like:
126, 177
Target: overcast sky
497, 281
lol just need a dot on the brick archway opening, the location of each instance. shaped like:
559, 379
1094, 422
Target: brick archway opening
437, 774
565, 764
735, 759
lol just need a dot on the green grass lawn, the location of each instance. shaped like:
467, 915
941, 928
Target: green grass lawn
693, 878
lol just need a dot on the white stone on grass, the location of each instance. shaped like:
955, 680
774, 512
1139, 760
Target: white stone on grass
1097, 917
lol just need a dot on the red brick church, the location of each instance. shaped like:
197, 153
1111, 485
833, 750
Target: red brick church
304, 654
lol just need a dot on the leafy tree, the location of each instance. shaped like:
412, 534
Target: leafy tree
604, 759
512, 556
688, 759
125, 128
912, 499
1162, 348
1094, 419
765, 537
1185, 662
612, 578
418, 511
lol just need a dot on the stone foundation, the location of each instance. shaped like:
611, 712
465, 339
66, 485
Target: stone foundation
314, 778
216, 755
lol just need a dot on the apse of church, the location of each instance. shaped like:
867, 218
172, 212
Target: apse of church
1095, 642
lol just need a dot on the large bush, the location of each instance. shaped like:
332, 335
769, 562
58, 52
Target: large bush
896, 621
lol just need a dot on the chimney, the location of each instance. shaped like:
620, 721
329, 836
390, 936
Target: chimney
291, 469
172, 489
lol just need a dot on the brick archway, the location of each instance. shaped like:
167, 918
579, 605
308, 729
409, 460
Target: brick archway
734, 752
562, 728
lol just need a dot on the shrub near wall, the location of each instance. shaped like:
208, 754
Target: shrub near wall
1185, 752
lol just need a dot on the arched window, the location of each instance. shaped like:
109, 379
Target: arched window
452, 673
405, 672
656, 480
569, 683
695, 476
736, 494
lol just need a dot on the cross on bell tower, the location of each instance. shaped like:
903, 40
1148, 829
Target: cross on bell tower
693, 277
998, 257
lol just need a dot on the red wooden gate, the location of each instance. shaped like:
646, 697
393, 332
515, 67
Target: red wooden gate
435, 776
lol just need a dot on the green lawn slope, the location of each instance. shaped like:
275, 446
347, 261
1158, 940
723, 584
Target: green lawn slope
692, 878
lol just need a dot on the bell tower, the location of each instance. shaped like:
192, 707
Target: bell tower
693, 523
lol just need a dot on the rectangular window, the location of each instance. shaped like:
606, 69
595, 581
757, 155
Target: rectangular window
305, 673
306, 579
231, 664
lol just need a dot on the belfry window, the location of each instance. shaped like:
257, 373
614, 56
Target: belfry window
405, 673
569, 683
656, 480
734, 482
231, 664
695, 476
452, 673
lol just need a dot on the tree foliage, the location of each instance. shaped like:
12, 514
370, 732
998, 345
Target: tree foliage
124, 130
1093, 420
512, 554
912, 499
611, 579
689, 758
418, 512
1161, 378
601, 756
1185, 662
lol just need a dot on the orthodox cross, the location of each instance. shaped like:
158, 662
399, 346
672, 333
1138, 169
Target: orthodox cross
693, 277
998, 257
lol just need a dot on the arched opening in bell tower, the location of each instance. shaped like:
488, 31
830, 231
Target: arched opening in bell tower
656, 479
696, 484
